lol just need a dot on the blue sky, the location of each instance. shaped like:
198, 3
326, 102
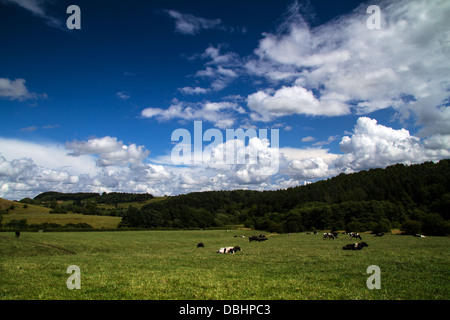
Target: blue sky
93, 109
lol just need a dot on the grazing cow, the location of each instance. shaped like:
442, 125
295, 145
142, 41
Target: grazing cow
200, 245
328, 235
355, 246
17, 234
229, 249
355, 235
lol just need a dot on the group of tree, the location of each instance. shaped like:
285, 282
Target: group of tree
86, 203
108, 198
414, 198
21, 224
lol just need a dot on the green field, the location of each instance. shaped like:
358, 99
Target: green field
168, 265
97, 222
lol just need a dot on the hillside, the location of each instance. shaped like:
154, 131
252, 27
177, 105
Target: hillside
377, 199
7, 206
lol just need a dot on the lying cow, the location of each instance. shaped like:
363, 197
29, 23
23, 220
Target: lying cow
355, 246
419, 236
200, 245
229, 249
261, 237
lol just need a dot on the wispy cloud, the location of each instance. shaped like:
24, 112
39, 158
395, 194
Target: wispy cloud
38, 8
124, 95
189, 24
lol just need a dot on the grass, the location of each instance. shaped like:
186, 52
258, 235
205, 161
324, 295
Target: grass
19, 207
97, 222
167, 265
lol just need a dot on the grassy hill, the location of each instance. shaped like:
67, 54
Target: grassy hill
96, 222
37, 215
14, 207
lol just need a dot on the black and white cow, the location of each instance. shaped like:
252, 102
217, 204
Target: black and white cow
355, 246
355, 235
329, 235
229, 249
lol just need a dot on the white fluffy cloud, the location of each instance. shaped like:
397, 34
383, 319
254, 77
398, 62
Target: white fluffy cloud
373, 145
350, 68
14, 89
109, 151
293, 100
221, 114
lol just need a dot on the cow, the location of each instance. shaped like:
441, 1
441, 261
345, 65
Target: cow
379, 234
17, 233
200, 245
261, 237
419, 236
328, 235
229, 249
355, 246
355, 235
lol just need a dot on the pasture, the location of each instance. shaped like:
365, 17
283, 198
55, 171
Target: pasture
168, 265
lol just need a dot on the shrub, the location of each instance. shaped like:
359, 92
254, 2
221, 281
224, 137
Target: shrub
411, 227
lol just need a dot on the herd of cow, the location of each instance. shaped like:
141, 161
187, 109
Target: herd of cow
326, 235
351, 246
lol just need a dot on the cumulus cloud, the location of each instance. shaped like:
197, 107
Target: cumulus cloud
374, 146
221, 114
21, 177
292, 100
110, 151
14, 89
48, 155
350, 68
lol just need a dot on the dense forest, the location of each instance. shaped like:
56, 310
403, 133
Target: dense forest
415, 198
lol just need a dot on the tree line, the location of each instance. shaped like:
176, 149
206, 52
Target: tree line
414, 198
108, 198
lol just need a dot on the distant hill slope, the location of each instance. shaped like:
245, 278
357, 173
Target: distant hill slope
362, 201
21, 208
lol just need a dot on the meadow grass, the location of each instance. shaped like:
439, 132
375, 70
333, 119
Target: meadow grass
97, 222
161, 265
